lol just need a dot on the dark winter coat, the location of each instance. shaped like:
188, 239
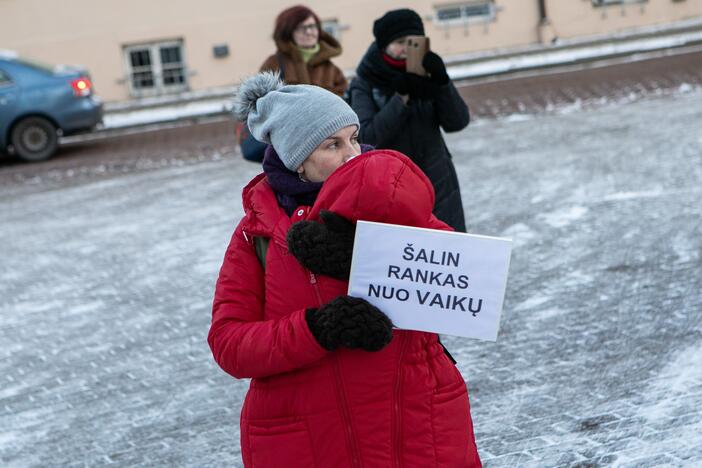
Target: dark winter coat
319, 70
406, 405
412, 129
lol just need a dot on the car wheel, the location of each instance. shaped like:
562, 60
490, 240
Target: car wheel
34, 139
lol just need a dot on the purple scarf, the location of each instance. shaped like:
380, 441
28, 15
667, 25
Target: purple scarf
290, 191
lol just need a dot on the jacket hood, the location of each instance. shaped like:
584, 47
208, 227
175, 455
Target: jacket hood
260, 205
381, 185
328, 49
384, 186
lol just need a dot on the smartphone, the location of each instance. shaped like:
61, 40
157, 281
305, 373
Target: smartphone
417, 47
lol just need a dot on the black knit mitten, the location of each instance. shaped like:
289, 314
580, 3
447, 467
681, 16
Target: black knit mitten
399, 84
325, 248
349, 322
436, 68
420, 87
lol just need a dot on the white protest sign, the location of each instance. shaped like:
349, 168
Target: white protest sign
430, 280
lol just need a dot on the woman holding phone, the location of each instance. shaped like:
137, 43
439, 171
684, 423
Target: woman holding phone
406, 111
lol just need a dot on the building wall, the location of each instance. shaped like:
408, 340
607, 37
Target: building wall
575, 18
93, 34
515, 23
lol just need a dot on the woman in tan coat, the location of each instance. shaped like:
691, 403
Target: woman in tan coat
305, 51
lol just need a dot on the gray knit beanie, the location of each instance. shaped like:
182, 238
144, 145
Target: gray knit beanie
295, 119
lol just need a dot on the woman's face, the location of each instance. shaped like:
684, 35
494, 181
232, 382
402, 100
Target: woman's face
397, 49
306, 34
330, 154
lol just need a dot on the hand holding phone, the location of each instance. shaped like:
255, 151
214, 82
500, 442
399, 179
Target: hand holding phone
417, 47
436, 68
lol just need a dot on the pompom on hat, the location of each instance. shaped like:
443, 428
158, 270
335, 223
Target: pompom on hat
295, 119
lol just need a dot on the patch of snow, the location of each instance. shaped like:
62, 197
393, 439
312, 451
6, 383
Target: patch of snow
520, 233
532, 302
670, 396
517, 118
8, 54
564, 217
570, 55
619, 196
546, 314
684, 249
576, 279
166, 113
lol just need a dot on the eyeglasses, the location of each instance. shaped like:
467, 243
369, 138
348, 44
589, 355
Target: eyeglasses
307, 28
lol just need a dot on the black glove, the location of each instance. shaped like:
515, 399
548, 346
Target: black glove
349, 322
420, 87
436, 68
399, 84
325, 248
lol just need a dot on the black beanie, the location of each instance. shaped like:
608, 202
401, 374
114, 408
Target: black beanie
397, 23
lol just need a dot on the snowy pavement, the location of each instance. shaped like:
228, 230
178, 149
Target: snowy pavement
598, 358
106, 287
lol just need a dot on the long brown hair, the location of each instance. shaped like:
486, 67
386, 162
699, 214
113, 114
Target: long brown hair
288, 19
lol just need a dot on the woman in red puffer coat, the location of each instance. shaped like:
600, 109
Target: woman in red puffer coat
332, 384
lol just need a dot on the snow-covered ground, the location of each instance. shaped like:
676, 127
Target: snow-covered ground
105, 292
167, 113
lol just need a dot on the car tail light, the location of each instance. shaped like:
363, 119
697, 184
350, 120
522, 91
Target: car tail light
81, 86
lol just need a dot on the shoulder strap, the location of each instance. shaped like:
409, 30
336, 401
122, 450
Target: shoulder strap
261, 246
446, 351
281, 64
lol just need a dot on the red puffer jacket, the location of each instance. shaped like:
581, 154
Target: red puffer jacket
404, 406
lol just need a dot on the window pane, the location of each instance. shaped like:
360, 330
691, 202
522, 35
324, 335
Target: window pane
331, 27
170, 54
615, 2
445, 14
140, 58
156, 68
477, 10
174, 76
141, 80
42, 67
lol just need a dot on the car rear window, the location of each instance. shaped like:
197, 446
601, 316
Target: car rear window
36, 65
4, 79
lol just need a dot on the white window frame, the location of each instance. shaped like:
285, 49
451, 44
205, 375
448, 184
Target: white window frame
334, 27
331, 27
606, 3
464, 18
157, 69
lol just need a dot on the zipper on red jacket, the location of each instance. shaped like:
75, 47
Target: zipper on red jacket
396, 413
313, 282
351, 444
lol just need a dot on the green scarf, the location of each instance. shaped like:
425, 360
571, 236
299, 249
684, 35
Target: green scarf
307, 54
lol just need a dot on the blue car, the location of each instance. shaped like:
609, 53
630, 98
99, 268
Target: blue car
39, 103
